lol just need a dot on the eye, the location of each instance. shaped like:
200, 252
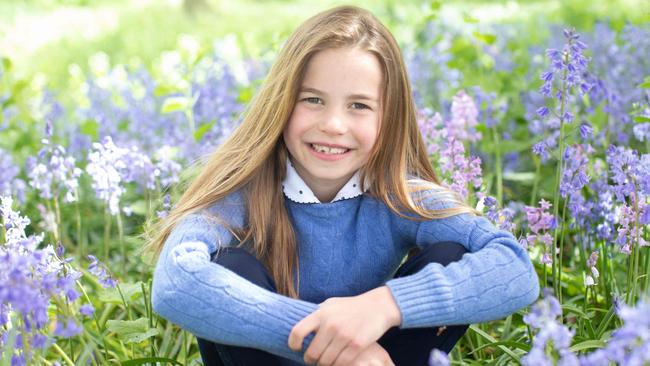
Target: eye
313, 100
359, 106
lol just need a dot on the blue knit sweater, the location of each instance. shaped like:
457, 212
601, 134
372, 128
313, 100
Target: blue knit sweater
345, 248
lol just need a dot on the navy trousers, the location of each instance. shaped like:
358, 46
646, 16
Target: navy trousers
406, 347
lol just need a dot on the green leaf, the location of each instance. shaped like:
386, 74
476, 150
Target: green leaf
175, 104
641, 119
485, 37
645, 84
469, 19
142, 361
164, 89
509, 146
480, 332
511, 344
592, 343
91, 128
519, 176
246, 94
575, 310
132, 331
198, 134
6, 63
139, 207
130, 291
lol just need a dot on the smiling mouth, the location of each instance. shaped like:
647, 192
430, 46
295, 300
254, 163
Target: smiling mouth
328, 150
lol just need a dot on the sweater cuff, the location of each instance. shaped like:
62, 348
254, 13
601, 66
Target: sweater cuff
425, 298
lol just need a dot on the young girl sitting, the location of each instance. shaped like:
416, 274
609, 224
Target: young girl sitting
288, 247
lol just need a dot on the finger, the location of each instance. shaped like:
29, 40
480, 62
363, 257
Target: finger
320, 342
351, 351
301, 330
333, 350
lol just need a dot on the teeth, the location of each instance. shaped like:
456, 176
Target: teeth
328, 150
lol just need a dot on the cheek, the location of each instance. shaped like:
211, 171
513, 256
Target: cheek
369, 136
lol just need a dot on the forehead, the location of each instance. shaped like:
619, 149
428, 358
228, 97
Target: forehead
349, 70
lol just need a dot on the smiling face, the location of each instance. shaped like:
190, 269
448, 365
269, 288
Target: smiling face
336, 118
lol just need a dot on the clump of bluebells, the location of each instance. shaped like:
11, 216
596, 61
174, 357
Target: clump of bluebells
631, 177
540, 223
552, 339
630, 344
568, 67
502, 218
10, 183
52, 172
459, 170
111, 167
31, 279
462, 170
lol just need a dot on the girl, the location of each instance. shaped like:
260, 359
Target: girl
287, 246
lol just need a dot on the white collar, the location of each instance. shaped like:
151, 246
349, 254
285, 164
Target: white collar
295, 188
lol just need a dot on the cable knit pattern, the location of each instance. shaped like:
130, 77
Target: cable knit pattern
346, 248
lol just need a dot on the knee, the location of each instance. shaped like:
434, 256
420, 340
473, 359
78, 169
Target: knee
445, 252
244, 264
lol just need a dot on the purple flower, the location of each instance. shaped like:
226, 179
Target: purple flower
490, 113
67, 328
438, 358
642, 131
574, 175
540, 223
550, 334
87, 310
543, 111
501, 218
586, 131
628, 344
31, 280
463, 170
100, 271
464, 118
52, 173
626, 169
10, 184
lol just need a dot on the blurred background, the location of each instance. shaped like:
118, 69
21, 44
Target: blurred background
47, 36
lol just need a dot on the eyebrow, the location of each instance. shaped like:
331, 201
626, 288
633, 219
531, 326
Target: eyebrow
351, 96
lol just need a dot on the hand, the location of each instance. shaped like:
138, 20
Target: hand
373, 355
346, 326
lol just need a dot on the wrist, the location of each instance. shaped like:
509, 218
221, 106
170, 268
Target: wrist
388, 305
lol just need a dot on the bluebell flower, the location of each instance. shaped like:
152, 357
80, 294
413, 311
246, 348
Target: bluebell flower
438, 358
100, 271
550, 334
10, 184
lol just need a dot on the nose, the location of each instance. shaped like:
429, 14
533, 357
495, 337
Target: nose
333, 122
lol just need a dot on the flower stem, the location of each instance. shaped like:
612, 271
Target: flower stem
63, 354
636, 249
558, 175
538, 169
560, 259
57, 216
120, 231
83, 291
81, 244
497, 160
107, 232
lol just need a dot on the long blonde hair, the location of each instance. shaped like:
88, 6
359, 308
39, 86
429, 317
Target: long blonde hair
254, 156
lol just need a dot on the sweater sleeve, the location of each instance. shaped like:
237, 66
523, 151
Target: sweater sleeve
494, 279
216, 304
